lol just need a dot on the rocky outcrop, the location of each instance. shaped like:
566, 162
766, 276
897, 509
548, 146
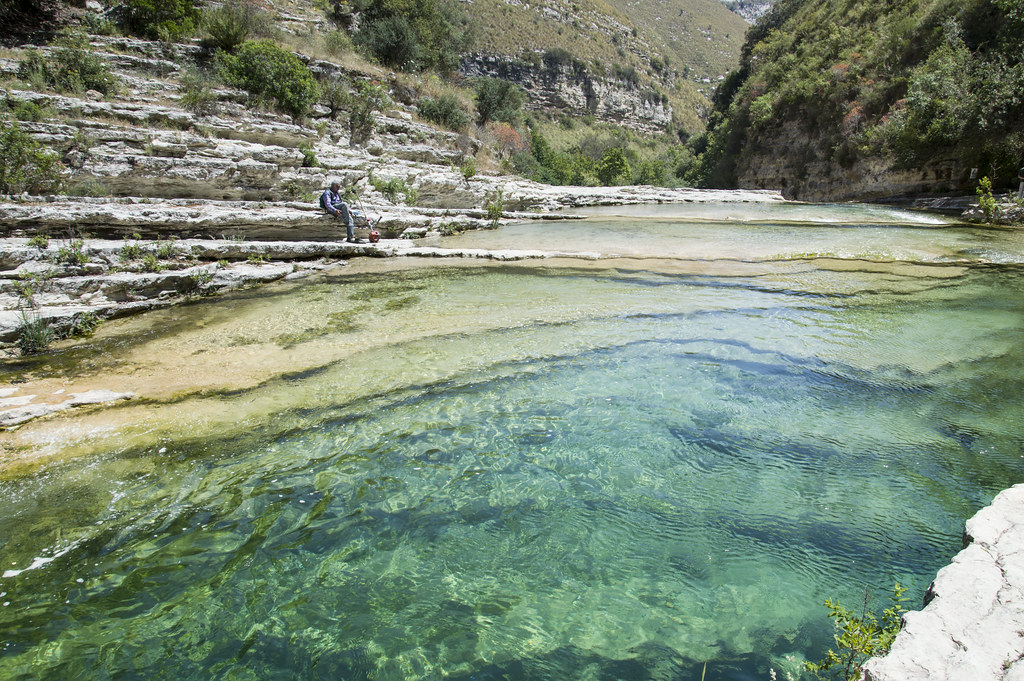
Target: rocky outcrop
1006, 211
750, 10
17, 410
806, 169
972, 625
572, 88
35, 286
109, 257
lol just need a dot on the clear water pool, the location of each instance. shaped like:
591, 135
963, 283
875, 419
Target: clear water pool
623, 468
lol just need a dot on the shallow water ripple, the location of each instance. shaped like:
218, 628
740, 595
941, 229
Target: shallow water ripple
544, 472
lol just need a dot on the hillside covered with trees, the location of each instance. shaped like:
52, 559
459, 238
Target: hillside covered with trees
849, 99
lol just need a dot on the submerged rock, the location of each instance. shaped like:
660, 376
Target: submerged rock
23, 409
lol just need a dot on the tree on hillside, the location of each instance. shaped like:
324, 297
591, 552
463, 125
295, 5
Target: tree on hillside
498, 100
413, 34
159, 19
613, 167
272, 75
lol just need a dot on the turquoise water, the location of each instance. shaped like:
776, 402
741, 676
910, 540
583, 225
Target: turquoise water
614, 469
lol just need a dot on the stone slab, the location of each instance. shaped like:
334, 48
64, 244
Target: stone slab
972, 626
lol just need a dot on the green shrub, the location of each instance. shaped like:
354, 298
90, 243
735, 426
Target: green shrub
859, 637
337, 43
650, 172
334, 94
309, 159
271, 74
167, 250
986, 202
130, 251
451, 228
393, 187
30, 111
72, 67
494, 207
89, 187
156, 19
414, 34
26, 165
294, 189
72, 253
498, 100
468, 168
40, 241
150, 263
196, 94
26, 293
613, 166
234, 22
391, 41
97, 24
34, 334
364, 103
34, 70
196, 284
84, 324
446, 111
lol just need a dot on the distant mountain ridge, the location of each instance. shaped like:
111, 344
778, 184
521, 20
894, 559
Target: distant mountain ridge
751, 10
700, 37
669, 52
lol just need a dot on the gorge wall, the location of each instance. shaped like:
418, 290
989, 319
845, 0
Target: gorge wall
805, 168
570, 87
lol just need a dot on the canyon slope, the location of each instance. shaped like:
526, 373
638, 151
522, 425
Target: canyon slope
850, 100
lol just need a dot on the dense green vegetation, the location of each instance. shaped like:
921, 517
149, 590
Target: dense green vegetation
161, 19
270, 73
859, 636
564, 152
26, 165
910, 81
411, 34
445, 110
498, 100
234, 22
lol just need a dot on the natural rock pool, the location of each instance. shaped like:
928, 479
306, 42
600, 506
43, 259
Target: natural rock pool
622, 467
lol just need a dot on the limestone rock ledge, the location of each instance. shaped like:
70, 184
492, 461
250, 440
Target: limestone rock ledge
972, 625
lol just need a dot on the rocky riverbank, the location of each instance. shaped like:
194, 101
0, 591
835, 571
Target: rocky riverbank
70, 262
972, 625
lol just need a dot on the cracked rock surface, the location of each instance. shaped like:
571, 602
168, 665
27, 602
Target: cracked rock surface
972, 625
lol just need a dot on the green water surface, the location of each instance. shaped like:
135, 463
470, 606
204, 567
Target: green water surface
616, 469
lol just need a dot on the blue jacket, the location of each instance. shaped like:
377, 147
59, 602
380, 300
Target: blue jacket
332, 202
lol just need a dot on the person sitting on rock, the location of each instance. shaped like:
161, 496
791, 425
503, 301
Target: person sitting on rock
332, 202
